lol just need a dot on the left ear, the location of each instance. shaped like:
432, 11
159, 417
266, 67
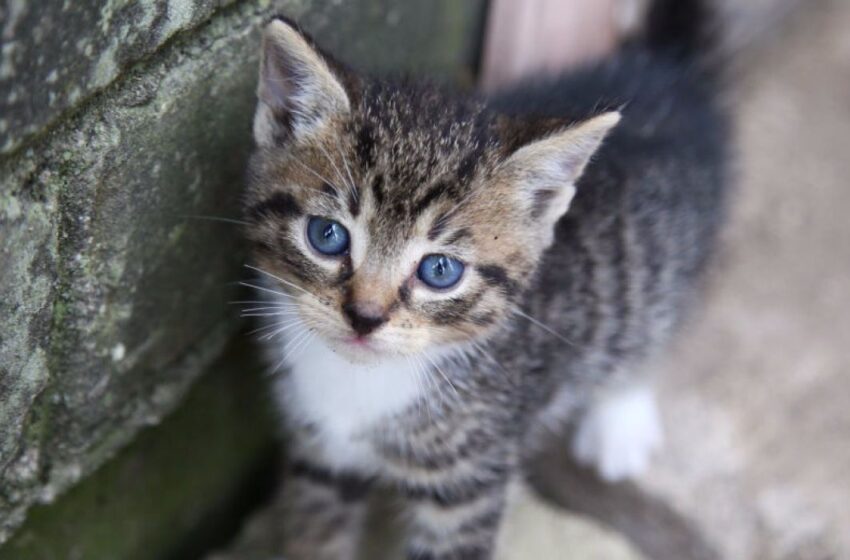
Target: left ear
544, 172
298, 91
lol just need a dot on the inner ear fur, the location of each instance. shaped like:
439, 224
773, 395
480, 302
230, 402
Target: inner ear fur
543, 171
301, 89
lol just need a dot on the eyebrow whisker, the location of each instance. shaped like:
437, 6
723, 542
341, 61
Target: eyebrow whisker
334, 165
322, 178
278, 278
345, 166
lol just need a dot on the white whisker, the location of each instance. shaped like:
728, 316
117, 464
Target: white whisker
322, 178
336, 169
347, 170
278, 332
443, 374
272, 326
271, 308
445, 217
422, 378
289, 344
278, 278
305, 343
247, 315
258, 302
216, 219
290, 352
481, 350
261, 288
416, 379
545, 327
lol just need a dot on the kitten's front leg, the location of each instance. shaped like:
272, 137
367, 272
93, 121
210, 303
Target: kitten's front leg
459, 521
619, 432
323, 513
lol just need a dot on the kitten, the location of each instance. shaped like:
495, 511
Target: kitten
433, 303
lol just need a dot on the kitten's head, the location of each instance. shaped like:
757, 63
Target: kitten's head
399, 219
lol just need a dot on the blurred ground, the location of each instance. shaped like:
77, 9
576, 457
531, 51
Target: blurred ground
759, 393
756, 396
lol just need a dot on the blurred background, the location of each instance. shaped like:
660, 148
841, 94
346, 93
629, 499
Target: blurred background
134, 422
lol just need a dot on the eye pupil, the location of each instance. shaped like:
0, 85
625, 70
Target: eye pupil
327, 236
440, 271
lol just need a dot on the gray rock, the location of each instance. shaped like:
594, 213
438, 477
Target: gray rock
114, 295
178, 486
57, 54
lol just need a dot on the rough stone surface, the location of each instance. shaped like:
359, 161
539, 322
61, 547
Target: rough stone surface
164, 496
113, 289
112, 299
57, 53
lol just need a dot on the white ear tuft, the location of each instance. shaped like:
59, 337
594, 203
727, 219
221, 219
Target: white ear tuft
298, 92
544, 172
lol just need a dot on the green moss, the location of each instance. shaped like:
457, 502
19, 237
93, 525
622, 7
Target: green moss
39, 419
60, 310
175, 234
10, 208
145, 502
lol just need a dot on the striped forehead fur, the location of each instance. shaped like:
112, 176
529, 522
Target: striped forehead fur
406, 167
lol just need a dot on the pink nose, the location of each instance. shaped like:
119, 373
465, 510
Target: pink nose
364, 317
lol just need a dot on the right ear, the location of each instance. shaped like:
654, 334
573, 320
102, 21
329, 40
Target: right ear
298, 92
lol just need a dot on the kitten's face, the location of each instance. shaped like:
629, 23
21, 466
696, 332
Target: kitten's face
398, 221
385, 266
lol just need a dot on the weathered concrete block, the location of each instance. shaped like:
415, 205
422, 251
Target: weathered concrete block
57, 53
108, 284
113, 296
166, 495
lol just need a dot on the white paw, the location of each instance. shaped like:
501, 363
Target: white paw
619, 433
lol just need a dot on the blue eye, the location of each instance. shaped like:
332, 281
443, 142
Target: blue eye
440, 271
327, 236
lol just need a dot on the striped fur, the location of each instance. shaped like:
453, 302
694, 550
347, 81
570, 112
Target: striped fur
576, 272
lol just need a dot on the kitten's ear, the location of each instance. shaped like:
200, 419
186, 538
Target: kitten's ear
298, 92
544, 172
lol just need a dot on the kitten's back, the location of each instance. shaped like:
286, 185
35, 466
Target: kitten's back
629, 253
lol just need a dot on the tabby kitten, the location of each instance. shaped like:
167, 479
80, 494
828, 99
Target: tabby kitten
433, 305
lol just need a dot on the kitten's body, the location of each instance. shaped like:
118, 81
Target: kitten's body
446, 395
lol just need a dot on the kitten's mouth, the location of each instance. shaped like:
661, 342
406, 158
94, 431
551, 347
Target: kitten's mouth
358, 348
359, 342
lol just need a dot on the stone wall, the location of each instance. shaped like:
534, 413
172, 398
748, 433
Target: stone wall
122, 126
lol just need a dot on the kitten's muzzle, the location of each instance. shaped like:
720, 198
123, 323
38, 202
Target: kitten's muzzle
364, 317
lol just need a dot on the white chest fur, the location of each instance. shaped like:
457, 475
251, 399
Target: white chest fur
344, 400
